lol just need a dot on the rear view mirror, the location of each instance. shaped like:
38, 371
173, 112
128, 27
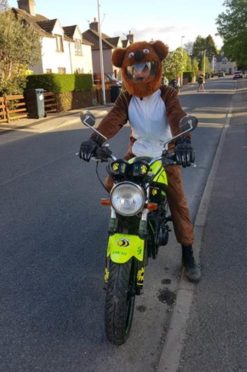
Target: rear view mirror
88, 119
188, 123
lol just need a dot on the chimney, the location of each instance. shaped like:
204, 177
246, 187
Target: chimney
94, 25
28, 5
130, 37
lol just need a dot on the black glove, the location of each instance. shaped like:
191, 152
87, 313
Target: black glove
88, 149
103, 153
185, 155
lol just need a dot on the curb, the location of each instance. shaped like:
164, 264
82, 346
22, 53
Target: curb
176, 334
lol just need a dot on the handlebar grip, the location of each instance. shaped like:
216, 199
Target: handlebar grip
103, 153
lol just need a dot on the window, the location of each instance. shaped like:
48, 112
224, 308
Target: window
79, 70
61, 70
78, 48
59, 43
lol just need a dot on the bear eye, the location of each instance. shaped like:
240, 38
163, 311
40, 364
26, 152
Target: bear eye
131, 54
146, 51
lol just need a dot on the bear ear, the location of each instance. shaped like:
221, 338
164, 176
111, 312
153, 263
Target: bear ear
160, 48
118, 56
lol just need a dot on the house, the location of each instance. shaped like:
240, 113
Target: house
63, 50
108, 45
222, 64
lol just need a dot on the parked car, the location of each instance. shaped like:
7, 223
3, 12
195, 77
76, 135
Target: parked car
238, 75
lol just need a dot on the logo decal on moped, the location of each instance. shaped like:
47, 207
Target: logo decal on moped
123, 243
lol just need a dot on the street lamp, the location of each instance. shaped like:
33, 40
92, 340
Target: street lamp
101, 56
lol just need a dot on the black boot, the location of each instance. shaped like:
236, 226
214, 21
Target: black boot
192, 269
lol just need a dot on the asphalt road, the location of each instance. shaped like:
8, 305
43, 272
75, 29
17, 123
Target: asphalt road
53, 234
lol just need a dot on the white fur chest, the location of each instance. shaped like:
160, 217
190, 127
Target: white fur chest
149, 124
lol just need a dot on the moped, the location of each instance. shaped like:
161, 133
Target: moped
138, 225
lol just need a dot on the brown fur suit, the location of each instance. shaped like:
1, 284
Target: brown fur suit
154, 53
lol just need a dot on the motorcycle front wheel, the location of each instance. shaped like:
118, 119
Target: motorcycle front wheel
120, 301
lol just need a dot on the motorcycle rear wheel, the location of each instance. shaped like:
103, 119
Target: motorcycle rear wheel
120, 301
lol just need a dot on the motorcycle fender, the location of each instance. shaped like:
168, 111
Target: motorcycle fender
122, 247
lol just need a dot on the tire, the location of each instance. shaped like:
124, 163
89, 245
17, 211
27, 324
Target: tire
120, 301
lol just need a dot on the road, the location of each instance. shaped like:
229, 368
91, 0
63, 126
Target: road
53, 234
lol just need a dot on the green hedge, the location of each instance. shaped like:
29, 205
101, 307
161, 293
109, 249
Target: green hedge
188, 75
60, 83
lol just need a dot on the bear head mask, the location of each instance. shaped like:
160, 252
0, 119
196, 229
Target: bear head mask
141, 66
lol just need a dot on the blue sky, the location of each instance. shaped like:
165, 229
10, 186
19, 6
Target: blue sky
175, 22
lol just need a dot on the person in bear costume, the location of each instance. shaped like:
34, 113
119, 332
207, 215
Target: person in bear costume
153, 112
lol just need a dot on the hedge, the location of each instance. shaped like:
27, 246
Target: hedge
60, 83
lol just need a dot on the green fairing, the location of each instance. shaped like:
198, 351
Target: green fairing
161, 176
122, 247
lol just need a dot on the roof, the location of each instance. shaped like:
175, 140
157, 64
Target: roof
70, 30
47, 25
33, 20
113, 40
93, 37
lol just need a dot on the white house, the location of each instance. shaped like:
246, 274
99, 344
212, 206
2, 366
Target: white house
62, 48
222, 64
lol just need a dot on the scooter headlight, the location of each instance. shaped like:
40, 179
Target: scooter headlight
127, 198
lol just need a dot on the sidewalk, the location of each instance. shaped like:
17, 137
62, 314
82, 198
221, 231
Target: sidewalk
53, 120
217, 329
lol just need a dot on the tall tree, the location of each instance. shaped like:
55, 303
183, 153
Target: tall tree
198, 47
211, 49
204, 44
19, 49
232, 27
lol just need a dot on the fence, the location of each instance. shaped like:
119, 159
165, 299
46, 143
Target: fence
14, 107
50, 102
3, 116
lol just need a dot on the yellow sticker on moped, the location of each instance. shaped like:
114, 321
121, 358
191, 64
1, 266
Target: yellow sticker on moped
122, 247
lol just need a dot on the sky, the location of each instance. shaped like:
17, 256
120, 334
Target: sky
175, 22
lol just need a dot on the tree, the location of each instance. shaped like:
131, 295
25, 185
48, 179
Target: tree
203, 50
204, 44
198, 47
232, 27
211, 49
175, 63
194, 67
19, 49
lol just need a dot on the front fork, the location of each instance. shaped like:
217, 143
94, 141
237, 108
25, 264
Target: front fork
125, 243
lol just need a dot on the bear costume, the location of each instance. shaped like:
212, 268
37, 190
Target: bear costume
153, 112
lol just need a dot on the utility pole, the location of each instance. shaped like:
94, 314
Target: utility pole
101, 56
181, 77
204, 63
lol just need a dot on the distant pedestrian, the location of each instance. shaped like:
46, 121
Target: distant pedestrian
200, 81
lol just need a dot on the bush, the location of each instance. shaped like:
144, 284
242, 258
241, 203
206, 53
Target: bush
60, 83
